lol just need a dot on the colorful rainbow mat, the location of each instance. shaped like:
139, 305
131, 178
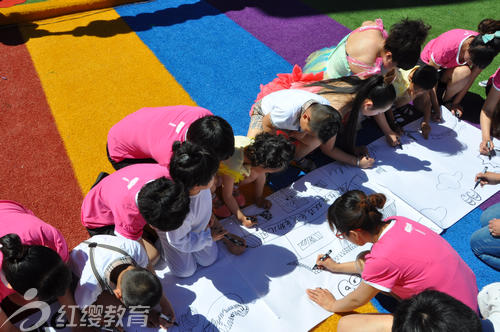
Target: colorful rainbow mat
65, 81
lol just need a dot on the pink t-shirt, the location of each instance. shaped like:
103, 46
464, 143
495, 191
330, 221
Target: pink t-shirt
444, 50
151, 131
113, 200
409, 258
14, 218
495, 79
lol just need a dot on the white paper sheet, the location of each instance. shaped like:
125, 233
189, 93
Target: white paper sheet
430, 181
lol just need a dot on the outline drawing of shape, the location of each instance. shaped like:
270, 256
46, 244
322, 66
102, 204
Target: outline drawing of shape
448, 181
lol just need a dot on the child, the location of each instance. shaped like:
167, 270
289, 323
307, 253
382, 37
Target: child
195, 241
125, 201
414, 86
406, 258
368, 49
112, 272
29, 247
485, 241
490, 114
462, 55
352, 97
251, 162
146, 136
428, 311
304, 116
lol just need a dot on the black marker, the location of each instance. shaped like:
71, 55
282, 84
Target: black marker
323, 258
458, 116
479, 180
168, 319
488, 144
399, 145
235, 241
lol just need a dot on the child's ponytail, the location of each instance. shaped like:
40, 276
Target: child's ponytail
12, 248
38, 267
354, 210
485, 46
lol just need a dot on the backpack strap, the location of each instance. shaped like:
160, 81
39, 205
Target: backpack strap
92, 246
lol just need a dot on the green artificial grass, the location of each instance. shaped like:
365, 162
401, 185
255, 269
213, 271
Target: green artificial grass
441, 15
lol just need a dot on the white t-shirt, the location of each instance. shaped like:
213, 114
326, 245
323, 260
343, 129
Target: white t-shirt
285, 107
88, 288
193, 235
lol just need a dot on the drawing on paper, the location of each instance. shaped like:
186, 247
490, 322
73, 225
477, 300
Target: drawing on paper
309, 241
437, 215
471, 197
354, 183
494, 163
348, 285
304, 266
266, 214
223, 312
448, 181
288, 200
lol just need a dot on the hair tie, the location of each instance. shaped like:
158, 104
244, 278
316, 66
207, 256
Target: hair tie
490, 36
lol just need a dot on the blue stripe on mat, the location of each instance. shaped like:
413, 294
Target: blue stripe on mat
217, 62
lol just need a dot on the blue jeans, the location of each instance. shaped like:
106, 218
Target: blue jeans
484, 245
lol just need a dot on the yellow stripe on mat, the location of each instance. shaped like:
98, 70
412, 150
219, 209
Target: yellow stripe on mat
93, 80
330, 324
52, 8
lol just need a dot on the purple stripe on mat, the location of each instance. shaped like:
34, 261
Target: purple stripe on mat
490, 201
289, 27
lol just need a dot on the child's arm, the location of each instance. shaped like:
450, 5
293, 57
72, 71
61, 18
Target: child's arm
353, 300
230, 201
488, 178
487, 112
72, 312
260, 201
455, 106
6, 325
391, 137
267, 124
334, 152
168, 311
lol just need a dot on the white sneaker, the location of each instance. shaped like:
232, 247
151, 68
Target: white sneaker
489, 303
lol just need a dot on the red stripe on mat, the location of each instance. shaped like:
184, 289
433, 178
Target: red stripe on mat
35, 169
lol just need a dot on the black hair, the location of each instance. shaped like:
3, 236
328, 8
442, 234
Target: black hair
215, 133
374, 88
354, 209
192, 164
425, 77
325, 121
482, 53
163, 203
34, 266
140, 287
405, 41
270, 151
433, 311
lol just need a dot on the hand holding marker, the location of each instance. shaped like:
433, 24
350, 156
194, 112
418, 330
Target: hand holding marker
168, 319
479, 180
323, 258
235, 241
